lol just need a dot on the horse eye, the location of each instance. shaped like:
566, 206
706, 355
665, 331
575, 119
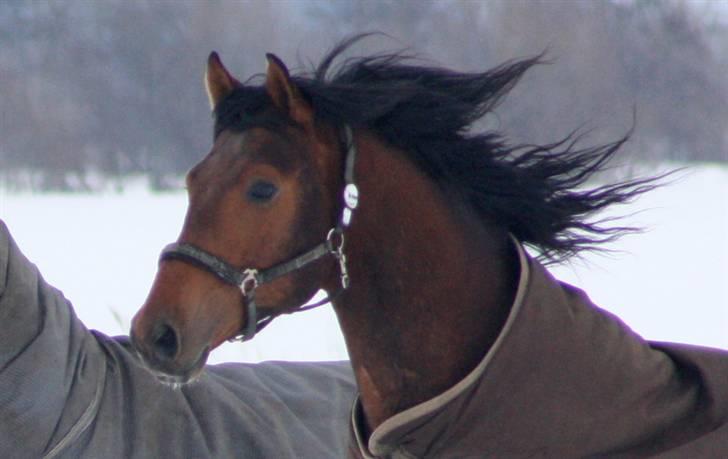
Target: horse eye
262, 191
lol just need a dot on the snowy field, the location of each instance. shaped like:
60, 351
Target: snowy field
670, 283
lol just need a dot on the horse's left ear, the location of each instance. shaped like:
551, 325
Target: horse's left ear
218, 81
284, 92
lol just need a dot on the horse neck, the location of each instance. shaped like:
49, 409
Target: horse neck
431, 285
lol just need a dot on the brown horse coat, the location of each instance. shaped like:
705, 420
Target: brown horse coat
566, 379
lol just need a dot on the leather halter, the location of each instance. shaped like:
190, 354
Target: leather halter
249, 279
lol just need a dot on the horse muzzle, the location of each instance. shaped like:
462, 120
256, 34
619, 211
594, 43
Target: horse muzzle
160, 348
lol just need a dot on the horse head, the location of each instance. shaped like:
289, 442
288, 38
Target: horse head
261, 198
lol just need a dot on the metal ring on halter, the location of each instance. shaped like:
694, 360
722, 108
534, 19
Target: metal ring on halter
332, 243
337, 250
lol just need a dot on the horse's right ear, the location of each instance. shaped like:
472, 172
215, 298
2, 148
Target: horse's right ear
218, 81
284, 92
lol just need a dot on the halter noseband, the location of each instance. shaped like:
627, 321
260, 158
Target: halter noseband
249, 279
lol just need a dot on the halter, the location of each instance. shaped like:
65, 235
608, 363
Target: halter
249, 279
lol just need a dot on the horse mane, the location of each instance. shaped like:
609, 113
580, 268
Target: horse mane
533, 191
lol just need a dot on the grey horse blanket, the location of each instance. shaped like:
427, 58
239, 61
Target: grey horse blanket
71, 393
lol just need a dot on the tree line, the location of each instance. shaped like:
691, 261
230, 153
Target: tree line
113, 88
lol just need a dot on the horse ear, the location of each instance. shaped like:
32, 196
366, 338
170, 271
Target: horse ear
218, 81
285, 94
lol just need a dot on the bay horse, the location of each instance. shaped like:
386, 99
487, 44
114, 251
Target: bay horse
366, 179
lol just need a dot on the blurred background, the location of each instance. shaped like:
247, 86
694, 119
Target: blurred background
103, 110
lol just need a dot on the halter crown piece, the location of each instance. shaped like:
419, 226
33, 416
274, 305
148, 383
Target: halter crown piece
249, 279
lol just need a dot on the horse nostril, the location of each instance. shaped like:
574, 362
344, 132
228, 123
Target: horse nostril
165, 344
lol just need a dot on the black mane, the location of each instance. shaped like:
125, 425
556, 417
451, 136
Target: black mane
534, 191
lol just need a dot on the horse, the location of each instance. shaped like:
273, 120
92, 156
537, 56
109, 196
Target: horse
365, 178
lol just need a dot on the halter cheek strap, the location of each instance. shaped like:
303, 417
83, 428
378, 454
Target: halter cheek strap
249, 279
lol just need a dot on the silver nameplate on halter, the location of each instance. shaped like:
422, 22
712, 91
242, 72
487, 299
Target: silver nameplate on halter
351, 196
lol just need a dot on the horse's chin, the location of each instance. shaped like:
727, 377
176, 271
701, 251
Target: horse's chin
176, 381
176, 378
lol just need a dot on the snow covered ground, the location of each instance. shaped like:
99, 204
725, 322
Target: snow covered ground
670, 283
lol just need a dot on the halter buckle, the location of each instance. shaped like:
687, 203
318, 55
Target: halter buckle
250, 281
